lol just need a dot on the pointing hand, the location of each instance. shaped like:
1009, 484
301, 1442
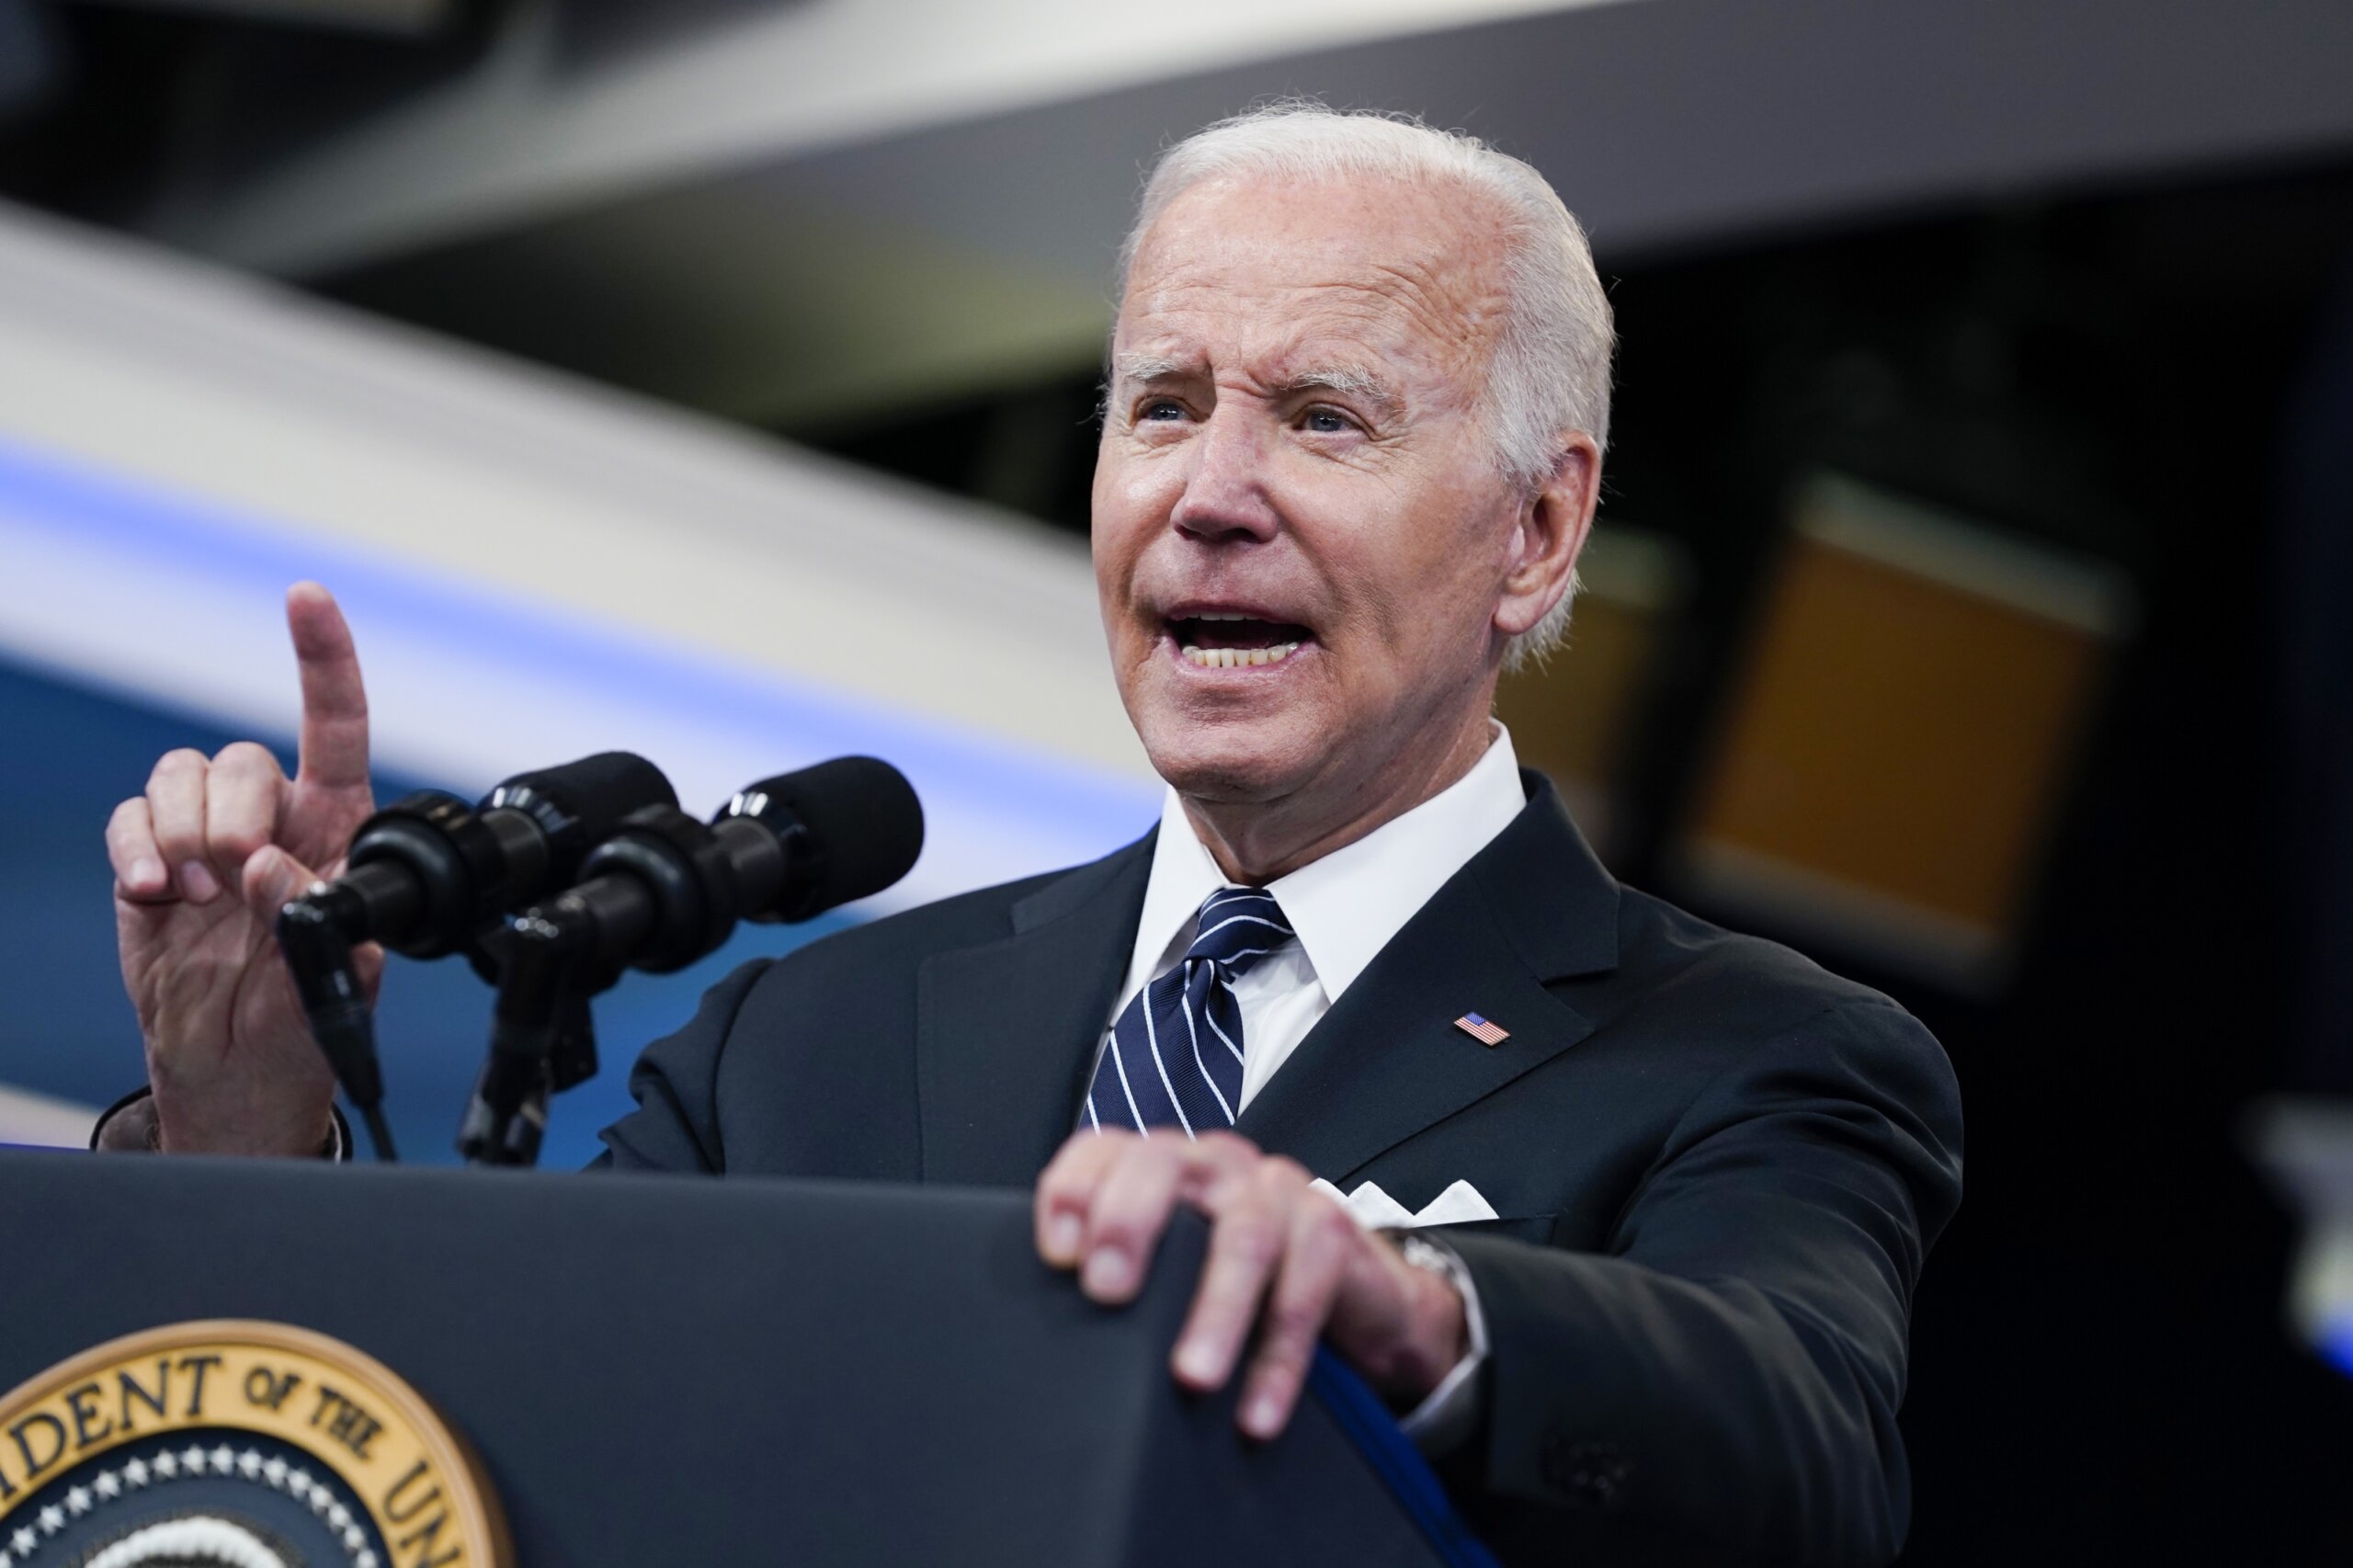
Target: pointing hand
202, 863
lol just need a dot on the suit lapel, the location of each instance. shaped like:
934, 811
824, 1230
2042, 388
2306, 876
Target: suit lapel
1006, 1031
1387, 1061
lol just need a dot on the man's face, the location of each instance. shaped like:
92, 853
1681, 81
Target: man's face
1301, 530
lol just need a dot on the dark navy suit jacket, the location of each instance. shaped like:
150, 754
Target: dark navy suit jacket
1718, 1167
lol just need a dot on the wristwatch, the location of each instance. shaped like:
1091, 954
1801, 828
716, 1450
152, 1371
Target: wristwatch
1446, 1419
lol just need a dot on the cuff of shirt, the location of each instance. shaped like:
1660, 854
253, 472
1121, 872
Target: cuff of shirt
128, 1126
1448, 1414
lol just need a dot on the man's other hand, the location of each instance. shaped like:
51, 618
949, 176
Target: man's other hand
1283, 1258
202, 863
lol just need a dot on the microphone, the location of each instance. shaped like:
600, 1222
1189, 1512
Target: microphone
425, 874
428, 871
664, 891
661, 892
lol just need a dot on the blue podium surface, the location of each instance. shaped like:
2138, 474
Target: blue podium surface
672, 1371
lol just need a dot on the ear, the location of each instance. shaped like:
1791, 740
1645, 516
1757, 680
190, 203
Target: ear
1548, 536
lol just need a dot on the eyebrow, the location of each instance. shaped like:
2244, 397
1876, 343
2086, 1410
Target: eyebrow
1147, 368
1352, 379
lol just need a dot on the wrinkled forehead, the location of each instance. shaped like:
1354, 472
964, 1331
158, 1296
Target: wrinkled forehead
1275, 269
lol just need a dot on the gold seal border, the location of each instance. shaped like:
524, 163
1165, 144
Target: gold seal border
481, 1524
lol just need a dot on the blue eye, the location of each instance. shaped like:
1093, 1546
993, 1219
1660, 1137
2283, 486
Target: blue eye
1161, 408
1326, 422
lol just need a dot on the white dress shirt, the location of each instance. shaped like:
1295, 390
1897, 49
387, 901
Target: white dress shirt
1345, 908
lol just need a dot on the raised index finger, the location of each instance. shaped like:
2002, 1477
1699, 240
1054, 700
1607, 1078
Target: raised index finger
334, 746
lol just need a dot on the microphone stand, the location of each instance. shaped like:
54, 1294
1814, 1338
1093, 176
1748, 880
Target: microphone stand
661, 892
654, 895
543, 1038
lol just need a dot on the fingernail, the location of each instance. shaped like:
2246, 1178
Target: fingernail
1198, 1364
146, 875
1062, 1234
1107, 1272
196, 881
1262, 1417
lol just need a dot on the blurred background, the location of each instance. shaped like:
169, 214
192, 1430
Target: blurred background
1972, 605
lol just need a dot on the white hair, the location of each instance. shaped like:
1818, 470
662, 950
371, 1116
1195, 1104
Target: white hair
1549, 373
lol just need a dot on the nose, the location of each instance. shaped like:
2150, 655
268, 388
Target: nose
1227, 496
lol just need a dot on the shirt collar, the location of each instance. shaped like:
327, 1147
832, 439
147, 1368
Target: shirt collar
1347, 905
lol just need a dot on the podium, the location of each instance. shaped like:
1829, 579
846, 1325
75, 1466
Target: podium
659, 1370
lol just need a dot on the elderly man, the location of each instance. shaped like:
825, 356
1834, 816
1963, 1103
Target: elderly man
1350, 452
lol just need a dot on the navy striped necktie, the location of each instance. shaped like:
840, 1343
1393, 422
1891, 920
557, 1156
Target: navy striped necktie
1174, 1055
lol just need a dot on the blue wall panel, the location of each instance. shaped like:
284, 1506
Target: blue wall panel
67, 754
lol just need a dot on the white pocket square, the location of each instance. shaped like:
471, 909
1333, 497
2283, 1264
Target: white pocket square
1375, 1209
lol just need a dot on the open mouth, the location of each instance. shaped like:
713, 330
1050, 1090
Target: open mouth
1215, 640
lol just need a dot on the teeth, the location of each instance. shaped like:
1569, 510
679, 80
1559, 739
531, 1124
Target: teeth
1232, 658
1221, 615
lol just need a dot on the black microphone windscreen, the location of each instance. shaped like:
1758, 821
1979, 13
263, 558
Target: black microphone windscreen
866, 821
597, 790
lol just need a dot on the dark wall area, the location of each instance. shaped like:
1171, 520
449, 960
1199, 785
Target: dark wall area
2102, 1371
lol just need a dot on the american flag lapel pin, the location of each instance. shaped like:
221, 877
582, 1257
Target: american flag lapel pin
1482, 1032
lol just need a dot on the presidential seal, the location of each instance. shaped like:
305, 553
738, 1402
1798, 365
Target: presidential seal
235, 1444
